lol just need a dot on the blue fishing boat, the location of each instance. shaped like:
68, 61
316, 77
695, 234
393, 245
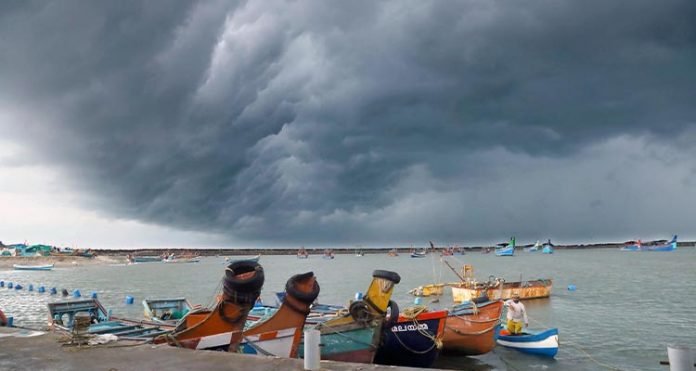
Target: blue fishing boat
413, 340
548, 248
63, 316
167, 311
45, 267
542, 343
506, 249
533, 248
661, 245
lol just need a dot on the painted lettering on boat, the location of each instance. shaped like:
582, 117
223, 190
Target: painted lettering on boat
402, 328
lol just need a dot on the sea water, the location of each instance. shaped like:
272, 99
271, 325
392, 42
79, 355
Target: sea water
626, 309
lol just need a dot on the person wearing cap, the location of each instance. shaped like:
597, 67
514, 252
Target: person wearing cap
516, 315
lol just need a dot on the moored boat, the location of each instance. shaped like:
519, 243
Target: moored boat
280, 334
44, 267
63, 316
506, 249
167, 311
393, 252
414, 340
500, 289
172, 259
433, 289
355, 336
220, 328
495, 288
328, 254
534, 248
302, 253
542, 343
133, 259
662, 245
471, 327
418, 254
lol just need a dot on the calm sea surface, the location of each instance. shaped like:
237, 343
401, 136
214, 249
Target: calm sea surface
627, 308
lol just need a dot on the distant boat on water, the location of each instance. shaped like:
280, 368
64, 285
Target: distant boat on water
418, 254
548, 248
506, 249
661, 245
328, 254
302, 254
45, 267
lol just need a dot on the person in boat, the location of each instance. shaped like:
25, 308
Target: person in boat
516, 315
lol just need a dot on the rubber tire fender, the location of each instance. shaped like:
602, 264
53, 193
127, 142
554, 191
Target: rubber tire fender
393, 315
360, 311
305, 297
387, 275
249, 285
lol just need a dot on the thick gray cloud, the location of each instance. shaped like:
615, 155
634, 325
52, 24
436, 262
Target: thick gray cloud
359, 122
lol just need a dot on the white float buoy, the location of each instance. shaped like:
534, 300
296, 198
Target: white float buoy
312, 353
681, 358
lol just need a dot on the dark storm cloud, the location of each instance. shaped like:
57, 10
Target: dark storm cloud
331, 121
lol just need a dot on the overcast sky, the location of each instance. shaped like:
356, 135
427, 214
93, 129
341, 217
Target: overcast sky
344, 123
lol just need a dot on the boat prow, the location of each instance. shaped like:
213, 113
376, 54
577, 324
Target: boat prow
542, 343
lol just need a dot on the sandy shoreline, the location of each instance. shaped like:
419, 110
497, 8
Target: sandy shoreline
60, 261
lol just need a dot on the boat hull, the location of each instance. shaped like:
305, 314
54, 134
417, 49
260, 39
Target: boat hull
508, 251
410, 341
543, 343
471, 330
527, 290
356, 344
20, 267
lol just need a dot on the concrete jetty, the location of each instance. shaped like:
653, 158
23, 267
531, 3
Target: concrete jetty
19, 350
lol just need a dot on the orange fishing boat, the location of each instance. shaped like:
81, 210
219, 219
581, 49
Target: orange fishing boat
280, 335
221, 328
470, 327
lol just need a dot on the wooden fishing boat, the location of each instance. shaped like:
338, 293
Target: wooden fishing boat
495, 288
280, 334
471, 327
542, 343
414, 340
21, 267
355, 336
167, 311
393, 252
500, 289
62, 317
433, 289
220, 328
662, 245
506, 249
